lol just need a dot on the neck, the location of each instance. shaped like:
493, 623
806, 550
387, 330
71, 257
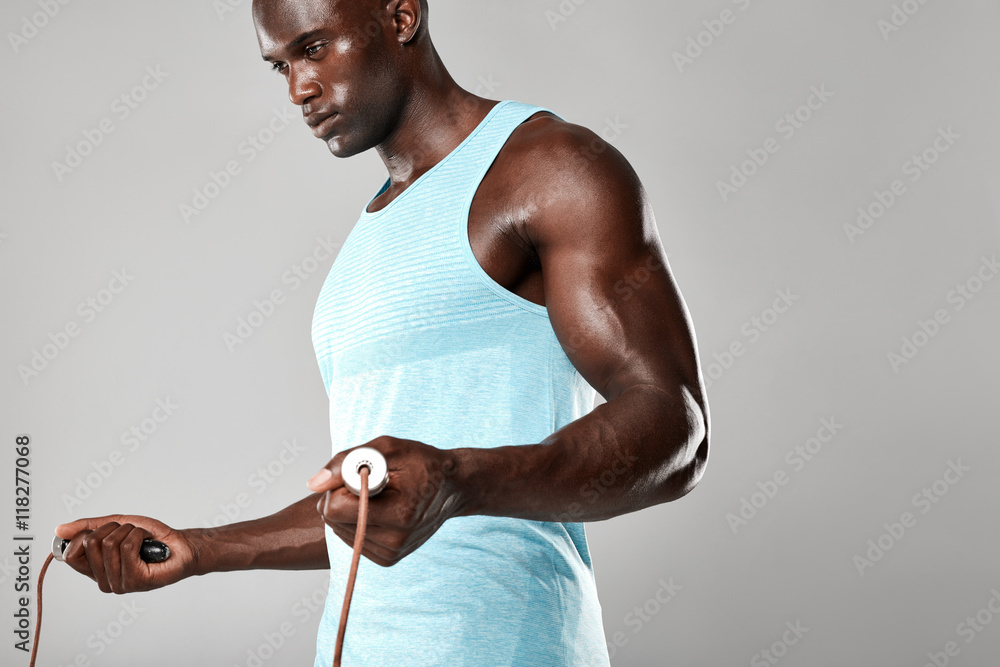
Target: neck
435, 117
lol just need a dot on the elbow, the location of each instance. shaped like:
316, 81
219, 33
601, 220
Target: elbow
688, 465
690, 474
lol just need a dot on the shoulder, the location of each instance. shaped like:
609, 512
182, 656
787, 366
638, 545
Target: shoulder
574, 179
544, 141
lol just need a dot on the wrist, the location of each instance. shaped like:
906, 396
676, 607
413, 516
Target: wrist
468, 480
201, 557
227, 548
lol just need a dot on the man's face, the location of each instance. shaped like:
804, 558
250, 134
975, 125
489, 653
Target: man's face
342, 64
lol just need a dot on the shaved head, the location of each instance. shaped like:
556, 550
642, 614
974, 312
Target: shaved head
365, 16
367, 75
350, 64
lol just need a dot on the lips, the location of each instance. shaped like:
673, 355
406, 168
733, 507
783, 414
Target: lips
321, 124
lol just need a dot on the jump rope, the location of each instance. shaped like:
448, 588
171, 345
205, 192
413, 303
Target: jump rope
365, 473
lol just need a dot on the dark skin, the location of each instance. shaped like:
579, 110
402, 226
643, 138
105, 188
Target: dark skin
561, 220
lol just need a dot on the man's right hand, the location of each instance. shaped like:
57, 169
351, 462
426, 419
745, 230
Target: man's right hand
106, 549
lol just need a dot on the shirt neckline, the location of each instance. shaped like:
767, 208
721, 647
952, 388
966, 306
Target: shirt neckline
365, 213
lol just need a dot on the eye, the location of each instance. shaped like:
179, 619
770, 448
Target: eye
277, 67
313, 49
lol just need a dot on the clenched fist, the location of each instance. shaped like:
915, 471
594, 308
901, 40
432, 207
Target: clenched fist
422, 493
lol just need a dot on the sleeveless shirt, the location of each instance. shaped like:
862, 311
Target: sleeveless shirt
415, 340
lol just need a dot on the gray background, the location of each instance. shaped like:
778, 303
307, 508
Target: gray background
683, 129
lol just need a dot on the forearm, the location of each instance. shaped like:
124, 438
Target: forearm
292, 539
642, 448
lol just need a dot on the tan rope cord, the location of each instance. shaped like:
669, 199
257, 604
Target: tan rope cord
38, 620
359, 539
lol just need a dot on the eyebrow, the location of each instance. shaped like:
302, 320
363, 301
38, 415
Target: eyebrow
297, 41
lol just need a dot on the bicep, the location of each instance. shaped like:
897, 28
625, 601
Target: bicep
610, 295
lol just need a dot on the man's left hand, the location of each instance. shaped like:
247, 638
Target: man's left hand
421, 494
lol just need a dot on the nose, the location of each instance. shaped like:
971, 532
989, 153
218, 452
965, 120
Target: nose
302, 85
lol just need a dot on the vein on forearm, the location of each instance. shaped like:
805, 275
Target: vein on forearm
637, 450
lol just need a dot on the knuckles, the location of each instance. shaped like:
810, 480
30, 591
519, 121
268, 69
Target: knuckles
416, 491
91, 541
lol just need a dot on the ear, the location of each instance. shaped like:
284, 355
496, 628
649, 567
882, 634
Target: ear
406, 16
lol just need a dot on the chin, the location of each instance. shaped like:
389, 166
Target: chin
339, 149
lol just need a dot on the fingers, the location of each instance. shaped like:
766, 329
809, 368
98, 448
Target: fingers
110, 556
133, 570
92, 545
75, 555
392, 531
340, 505
339, 513
383, 545
68, 531
328, 477
385, 515
379, 554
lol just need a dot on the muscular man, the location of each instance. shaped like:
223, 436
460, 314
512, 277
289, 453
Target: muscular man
508, 268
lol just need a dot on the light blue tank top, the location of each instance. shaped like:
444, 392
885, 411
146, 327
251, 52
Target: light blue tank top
415, 340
